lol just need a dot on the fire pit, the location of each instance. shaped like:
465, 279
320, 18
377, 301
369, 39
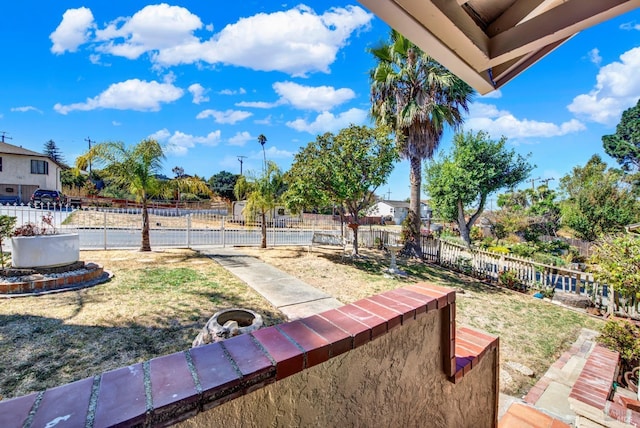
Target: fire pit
228, 323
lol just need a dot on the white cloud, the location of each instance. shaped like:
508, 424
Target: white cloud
240, 139
25, 109
116, 123
198, 92
594, 56
265, 121
72, 31
498, 123
318, 98
179, 143
259, 104
275, 153
630, 26
297, 41
617, 88
227, 117
132, 94
153, 28
240, 91
328, 122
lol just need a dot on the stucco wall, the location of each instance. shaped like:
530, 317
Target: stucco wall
394, 381
17, 170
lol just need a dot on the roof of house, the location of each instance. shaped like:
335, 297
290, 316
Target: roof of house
489, 42
6, 148
396, 204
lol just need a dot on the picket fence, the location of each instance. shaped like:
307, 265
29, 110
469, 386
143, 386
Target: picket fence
110, 228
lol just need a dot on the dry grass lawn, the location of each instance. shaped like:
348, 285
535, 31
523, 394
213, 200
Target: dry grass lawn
157, 302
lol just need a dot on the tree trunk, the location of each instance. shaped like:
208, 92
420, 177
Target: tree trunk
354, 227
415, 179
462, 225
146, 244
263, 244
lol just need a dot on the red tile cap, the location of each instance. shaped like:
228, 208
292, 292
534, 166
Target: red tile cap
216, 374
171, 381
340, 341
248, 356
14, 412
68, 403
289, 358
316, 347
121, 397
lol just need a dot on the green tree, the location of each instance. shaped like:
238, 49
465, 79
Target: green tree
262, 194
624, 145
596, 201
475, 168
223, 183
343, 169
132, 168
616, 262
263, 140
7, 224
52, 151
417, 97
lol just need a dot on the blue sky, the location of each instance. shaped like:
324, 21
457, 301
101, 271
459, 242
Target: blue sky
206, 80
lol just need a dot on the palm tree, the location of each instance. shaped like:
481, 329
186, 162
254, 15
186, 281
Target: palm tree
262, 140
262, 195
133, 169
417, 97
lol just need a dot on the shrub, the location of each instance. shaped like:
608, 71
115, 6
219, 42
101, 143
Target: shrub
475, 233
499, 250
523, 250
624, 337
509, 279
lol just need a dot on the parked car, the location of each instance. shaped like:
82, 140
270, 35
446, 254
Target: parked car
43, 197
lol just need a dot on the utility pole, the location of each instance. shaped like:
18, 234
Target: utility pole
547, 180
240, 159
88, 140
389, 194
4, 133
533, 180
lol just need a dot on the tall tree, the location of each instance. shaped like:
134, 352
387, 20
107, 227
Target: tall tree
596, 201
263, 140
262, 194
475, 168
52, 151
223, 183
624, 145
344, 169
417, 97
133, 168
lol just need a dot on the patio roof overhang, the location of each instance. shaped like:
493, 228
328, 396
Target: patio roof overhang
489, 42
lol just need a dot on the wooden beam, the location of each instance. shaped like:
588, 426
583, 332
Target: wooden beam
512, 16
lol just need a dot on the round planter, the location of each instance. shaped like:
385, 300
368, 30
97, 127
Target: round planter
228, 323
45, 250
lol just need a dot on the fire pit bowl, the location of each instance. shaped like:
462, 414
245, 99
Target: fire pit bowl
228, 323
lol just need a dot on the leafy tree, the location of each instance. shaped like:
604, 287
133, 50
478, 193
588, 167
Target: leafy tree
417, 97
7, 223
624, 145
530, 212
596, 200
475, 168
183, 187
223, 183
52, 151
72, 178
343, 169
133, 168
262, 194
178, 171
616, 262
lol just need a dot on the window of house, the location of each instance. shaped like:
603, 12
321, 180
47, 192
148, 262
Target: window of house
39, 167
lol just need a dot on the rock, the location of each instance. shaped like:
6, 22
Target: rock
236, 321
505, 377
520, 368
573, 300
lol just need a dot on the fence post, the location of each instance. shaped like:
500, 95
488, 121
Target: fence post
188, 230
222, 232
104, 215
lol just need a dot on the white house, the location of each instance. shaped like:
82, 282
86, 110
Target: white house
395, 211
22, 171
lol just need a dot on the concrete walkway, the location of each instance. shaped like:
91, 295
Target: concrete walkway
294, 298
